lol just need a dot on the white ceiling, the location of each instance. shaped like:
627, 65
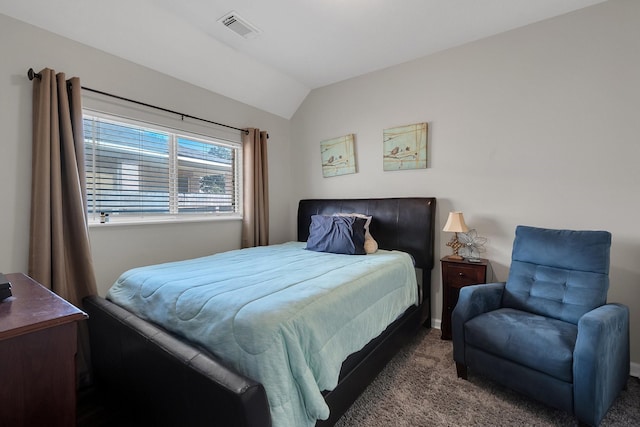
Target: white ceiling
302, 45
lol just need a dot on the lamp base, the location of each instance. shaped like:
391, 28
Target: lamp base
456, 257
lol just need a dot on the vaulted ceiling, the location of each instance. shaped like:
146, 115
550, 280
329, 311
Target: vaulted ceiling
296, 45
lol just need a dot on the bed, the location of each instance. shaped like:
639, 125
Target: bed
168, 379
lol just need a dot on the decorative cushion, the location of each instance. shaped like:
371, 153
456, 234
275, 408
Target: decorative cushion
370, 244
337, 234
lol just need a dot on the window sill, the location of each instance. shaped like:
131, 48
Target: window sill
161, 220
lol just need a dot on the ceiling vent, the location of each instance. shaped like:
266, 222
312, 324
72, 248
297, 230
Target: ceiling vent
239, 25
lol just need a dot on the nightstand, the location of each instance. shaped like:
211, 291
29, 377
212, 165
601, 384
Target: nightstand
457, 274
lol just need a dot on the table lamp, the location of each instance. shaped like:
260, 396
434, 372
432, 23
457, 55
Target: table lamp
455, 224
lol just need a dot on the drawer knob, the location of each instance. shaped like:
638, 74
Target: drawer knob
460, 274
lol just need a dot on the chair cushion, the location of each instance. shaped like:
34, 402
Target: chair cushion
558, 273
531, 340
582, 250
562, 294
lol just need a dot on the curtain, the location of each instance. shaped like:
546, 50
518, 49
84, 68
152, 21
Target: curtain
59, 249
255, 223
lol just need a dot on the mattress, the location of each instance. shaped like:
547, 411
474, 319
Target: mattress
282, 315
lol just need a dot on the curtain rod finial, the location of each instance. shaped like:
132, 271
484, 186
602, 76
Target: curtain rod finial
32, 74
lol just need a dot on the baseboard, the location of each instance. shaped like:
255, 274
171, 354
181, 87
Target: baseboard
435, 323
634, 368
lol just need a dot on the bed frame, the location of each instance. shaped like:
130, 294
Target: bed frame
165, 380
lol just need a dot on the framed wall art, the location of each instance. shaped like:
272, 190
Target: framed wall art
405, 147
338, 156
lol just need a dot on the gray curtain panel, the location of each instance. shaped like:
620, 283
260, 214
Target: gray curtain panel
59, 248
255, 223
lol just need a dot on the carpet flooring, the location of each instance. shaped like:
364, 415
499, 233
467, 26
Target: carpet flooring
419, 387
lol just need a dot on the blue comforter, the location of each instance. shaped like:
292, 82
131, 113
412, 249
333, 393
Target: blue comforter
282, 315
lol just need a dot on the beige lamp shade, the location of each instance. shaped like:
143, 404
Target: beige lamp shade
455, 223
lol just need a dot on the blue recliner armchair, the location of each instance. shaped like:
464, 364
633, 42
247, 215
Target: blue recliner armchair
548, 332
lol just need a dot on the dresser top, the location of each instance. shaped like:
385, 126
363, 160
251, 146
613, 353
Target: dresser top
33, 307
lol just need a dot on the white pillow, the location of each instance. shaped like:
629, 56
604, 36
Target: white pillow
370, 244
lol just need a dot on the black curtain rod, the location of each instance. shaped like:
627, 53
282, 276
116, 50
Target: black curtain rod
32, 74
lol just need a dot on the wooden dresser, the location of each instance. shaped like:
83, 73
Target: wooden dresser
38, 342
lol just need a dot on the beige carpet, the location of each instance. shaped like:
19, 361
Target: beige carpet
419, 387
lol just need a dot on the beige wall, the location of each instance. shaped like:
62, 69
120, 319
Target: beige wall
116, 249
536, 126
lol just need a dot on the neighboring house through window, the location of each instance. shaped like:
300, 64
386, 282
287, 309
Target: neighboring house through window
137, 171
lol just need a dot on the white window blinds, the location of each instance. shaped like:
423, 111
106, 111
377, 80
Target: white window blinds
135, 170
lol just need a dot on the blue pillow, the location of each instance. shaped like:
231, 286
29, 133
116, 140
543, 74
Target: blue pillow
337, 234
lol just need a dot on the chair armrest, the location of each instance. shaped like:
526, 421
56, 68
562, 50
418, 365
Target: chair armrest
472, 301
600, 361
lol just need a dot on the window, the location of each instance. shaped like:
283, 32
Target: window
141, 171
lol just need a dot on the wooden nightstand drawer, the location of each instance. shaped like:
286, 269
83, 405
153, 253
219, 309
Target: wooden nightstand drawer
460, 275
457, 274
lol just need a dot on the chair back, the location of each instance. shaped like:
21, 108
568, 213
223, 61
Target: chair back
561, 274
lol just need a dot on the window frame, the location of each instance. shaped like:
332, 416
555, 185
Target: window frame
175, 133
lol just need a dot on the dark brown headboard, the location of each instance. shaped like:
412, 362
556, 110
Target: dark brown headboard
405, 224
